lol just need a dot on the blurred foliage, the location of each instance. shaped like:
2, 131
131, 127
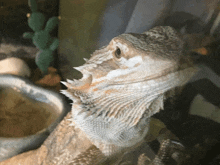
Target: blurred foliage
41, 36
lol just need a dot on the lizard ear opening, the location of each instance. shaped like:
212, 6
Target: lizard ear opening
118, 53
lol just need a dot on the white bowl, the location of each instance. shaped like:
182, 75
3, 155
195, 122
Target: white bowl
11, 146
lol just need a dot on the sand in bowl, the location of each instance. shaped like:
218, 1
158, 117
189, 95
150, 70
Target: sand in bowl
22, 116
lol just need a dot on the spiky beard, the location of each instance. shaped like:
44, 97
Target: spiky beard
120, 114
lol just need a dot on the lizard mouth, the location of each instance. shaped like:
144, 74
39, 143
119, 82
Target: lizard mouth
77, 88
81, 84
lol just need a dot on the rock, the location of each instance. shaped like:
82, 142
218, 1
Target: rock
14, 66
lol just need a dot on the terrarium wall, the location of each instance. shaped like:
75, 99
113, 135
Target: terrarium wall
86, 25
79, 28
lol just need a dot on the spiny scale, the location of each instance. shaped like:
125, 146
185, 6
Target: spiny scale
70, 81
85, 59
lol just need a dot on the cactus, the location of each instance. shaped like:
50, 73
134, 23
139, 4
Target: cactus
41, 36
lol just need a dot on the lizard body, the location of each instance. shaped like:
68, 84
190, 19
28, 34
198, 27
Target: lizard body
123, 85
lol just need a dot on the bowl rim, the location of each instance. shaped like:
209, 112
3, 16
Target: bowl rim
64, 107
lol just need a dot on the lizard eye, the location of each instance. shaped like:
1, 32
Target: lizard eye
118, 53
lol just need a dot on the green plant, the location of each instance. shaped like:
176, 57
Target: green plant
41, 36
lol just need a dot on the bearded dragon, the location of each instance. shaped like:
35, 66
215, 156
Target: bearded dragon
123, 85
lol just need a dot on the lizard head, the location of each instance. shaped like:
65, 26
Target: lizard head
125, 81
133, 63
